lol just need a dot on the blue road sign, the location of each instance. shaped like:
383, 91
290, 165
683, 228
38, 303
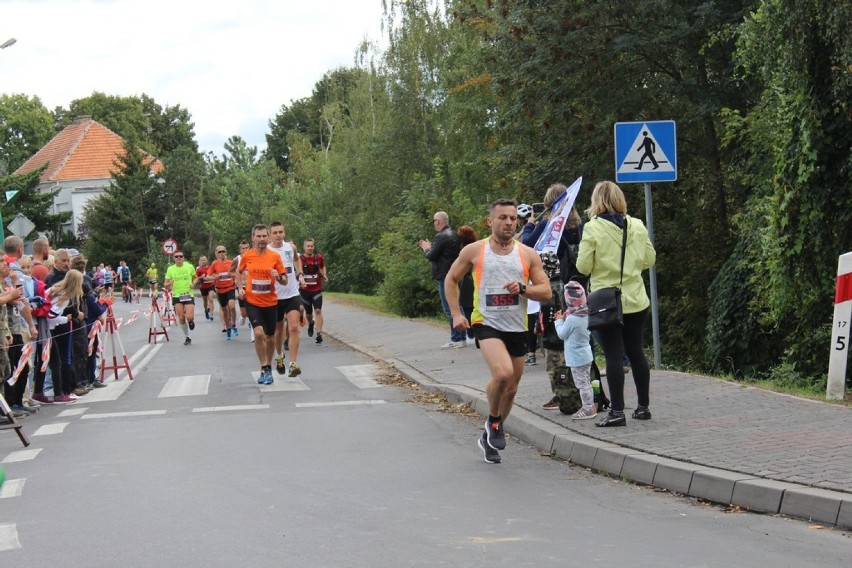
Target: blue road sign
645, 151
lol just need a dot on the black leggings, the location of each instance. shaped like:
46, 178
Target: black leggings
615, 342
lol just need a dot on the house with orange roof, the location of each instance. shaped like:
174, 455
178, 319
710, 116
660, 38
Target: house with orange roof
80, 163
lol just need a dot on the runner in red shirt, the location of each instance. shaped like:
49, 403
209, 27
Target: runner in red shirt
219, 273
206, 287
313, 269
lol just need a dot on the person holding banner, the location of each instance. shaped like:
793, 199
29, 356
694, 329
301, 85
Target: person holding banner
564, 226
600, 257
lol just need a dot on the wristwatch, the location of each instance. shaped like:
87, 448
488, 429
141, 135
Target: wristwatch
522, 288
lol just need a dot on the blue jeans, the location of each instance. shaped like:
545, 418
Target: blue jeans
455, 335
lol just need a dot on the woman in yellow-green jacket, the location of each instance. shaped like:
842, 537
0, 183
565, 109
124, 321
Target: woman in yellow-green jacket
600, 258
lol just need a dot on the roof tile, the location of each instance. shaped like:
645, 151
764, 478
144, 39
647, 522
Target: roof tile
85, 149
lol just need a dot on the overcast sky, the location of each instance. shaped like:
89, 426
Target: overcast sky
231, 64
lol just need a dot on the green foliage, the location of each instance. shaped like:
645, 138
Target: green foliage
407, 287
25, 126
158, 130
802, 128
122, 223
34, 205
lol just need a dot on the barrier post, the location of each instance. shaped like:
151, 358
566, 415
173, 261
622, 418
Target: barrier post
838, 357
156, 326
112, 331
10, 422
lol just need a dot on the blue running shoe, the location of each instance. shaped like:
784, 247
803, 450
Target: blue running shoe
261, 380
236, 330
269, 379
229, 335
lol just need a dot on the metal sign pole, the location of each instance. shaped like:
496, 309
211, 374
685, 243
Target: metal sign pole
655, 314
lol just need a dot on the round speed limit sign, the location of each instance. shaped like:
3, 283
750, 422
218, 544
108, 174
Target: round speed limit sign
170, 246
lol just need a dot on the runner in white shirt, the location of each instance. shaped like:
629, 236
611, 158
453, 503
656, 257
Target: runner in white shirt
289, 300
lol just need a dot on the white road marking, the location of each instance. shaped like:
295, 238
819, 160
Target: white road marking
12, 488
281, 384
338, 403
124, 414
51, 429
362, 376
9, 537
76, 411
116, 388
191, 385
236, 407
21, 455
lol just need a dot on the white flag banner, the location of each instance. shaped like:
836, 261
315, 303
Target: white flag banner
549, 239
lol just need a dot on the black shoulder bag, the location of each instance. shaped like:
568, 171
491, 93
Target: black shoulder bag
605, 304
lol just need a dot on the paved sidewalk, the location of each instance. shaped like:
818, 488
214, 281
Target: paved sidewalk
708, 438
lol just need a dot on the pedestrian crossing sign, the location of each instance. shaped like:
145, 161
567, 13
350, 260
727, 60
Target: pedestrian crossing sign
645, 151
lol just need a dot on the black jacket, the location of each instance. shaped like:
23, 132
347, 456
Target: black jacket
443, 252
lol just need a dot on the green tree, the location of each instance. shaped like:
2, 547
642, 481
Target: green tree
25, 126
122, 222
156, 129
34, 205
796, 143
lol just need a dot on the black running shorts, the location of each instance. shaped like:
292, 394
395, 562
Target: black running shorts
515, 341
262, 317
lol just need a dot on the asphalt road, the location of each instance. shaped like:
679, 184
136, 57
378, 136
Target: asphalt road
194, 464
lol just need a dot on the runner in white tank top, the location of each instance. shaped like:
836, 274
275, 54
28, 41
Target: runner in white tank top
289, 301
501, 268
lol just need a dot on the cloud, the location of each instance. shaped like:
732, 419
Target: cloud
231, 64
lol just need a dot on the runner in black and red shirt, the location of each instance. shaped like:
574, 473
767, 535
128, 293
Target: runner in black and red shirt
206, 286
313, 269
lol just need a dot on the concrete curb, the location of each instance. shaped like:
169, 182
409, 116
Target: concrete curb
717, 485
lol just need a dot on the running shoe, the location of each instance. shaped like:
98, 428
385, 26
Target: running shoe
261, 380
319, 337
42, 398
18, 411
235, 330
64, 399
187, 341
228, 337
295, 370
279, 365
310, 329
224, 329
269, 378
496, 436
491, 455
191, 325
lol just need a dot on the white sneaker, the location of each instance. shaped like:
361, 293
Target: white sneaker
453, 345
471, 341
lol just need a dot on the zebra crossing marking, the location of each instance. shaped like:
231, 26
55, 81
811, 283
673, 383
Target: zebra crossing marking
190, 385
362, 376
51, 429
9, 537
21, 455
12, 488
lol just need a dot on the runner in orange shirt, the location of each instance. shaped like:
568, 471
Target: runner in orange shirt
263, 268
219, 272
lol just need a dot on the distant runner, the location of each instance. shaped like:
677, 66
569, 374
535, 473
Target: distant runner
220, 273
180, 278
313, 267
